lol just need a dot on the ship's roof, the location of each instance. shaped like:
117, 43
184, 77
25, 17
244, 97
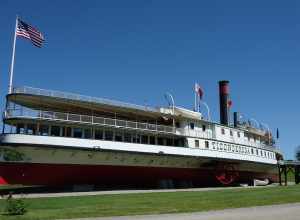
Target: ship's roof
63, 101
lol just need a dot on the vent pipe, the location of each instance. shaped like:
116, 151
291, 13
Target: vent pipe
236, 119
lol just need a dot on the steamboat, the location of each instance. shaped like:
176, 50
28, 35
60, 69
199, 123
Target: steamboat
53, 138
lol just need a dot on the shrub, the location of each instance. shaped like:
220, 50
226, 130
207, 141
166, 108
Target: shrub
14, 206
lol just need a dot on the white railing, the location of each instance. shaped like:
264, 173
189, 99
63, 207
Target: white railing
85, 119
66, 95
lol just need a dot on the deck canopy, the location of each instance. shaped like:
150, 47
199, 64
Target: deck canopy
78, 104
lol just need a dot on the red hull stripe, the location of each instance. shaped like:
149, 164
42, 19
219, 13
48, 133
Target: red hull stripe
51, 174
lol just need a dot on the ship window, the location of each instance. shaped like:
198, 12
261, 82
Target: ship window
55, 131
136, 138
206, 144
192, 125
239, 134
44, 130
87, 133
231, 133
67, 131
203, 128
197, 143
214, 145
252, 151
118, 136
169, 142
223, 131
181, 142
31, 129
176, 142
257, 152
77, 133
160, 141
20, 129
109, 135
144, 139
98, 134
127, 137
152, 140
229, 148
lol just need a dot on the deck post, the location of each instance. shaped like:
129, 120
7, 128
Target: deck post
285, 175
279, 172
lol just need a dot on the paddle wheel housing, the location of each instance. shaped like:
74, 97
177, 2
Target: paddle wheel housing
226, 174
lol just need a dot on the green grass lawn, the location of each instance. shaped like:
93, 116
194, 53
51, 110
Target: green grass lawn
154, 203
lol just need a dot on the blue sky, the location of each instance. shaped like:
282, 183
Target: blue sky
135, 51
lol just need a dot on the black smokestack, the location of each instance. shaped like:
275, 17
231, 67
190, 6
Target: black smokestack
224, 101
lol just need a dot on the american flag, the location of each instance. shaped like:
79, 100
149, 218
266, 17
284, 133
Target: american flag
30, 33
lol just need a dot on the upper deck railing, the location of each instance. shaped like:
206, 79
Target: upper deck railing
77, 97
85, 119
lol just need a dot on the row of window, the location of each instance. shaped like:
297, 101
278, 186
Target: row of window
192, 126
247, 136
223, 131
231, 132
98, 134
237, 149
130, 137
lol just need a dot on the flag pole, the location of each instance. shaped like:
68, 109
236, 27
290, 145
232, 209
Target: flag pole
195, 105
198, 103
11, 73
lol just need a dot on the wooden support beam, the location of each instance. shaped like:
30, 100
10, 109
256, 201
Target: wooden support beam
285, 175
279, 172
